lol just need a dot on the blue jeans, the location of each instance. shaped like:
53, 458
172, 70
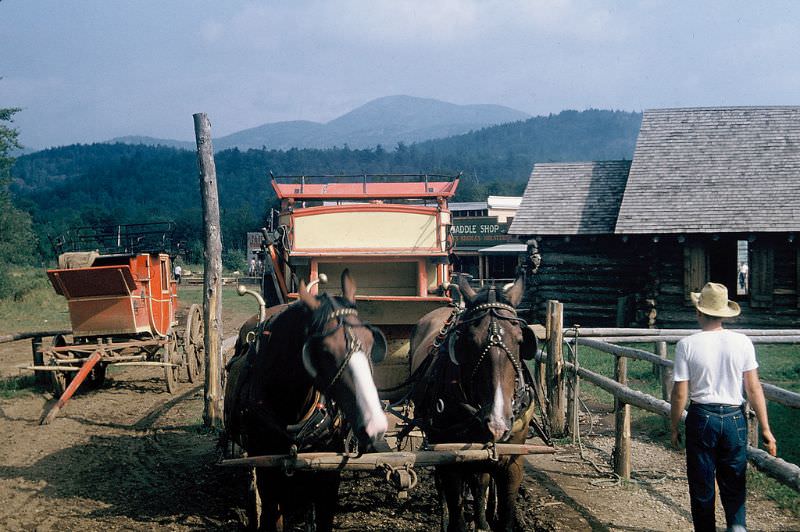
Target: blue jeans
716, 445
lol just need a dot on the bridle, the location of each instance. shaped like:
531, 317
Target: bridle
523, 392
352, 343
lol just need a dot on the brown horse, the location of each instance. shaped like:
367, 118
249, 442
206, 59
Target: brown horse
303, 384
476, 388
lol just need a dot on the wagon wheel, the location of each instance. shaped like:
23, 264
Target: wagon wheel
170, 356
59, 380
193, 343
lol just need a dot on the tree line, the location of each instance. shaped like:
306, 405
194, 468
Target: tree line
59, 188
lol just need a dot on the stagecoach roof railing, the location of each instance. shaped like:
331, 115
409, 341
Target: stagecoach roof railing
365, 186
153, 237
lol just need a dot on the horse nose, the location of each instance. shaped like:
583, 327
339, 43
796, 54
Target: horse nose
371, 433
498, 428
376, 427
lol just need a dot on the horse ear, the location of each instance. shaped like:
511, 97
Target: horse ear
466, 289
310, 301
514, 294
348, 286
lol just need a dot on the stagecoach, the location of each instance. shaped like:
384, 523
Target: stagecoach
122, 300
392, 232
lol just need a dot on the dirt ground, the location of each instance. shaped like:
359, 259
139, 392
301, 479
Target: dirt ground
130, 456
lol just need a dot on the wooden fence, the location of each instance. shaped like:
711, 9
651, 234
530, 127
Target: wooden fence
36, 346
561, 380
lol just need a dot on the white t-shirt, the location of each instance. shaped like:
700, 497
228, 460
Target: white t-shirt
713, 363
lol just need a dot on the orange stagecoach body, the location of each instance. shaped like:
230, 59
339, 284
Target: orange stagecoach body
123, 293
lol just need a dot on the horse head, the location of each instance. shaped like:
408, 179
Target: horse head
489, 347
338, 355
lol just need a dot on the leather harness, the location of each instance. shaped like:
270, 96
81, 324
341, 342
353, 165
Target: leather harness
443, 377
323, 416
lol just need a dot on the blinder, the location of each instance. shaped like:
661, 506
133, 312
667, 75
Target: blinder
307, 363
530, 344
379, 344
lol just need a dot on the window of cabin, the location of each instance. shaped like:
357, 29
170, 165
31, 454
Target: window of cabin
742, 268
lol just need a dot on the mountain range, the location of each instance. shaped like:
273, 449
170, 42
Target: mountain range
385, 121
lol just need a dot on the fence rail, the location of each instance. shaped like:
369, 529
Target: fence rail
565, 373
25, 335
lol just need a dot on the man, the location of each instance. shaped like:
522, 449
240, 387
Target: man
710, 368
177, 273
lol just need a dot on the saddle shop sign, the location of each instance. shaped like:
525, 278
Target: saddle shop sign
482, 231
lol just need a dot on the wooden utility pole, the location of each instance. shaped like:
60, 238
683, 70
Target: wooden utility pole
555, 365
212, 278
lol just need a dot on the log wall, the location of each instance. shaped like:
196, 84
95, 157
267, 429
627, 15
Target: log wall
591, 275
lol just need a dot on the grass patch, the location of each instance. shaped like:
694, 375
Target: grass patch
11, 387
784, 496
37, 309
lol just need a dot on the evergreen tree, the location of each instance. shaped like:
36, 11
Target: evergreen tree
16, 236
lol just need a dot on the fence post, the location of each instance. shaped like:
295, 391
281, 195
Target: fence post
555, 366
622, 425
664, 372
212, 295
752, 426
573, 394
38, 359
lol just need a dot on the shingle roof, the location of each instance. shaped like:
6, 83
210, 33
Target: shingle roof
571, 199
734, 169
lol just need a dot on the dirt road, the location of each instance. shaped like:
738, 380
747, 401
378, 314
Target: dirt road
130, 456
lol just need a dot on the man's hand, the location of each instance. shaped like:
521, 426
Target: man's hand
676, 438
770, 445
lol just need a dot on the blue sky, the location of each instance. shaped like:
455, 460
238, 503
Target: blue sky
90, 70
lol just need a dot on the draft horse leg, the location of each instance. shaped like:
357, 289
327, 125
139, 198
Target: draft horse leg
450, 480
270, 484
325, 494
480, 494
508, 479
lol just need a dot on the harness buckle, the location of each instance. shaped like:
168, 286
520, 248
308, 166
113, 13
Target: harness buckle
494, 456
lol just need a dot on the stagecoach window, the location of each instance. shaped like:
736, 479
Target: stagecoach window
164, 275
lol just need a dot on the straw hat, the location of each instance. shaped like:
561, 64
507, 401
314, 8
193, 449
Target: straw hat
713, 301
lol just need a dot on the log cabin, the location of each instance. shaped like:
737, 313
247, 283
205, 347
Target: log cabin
709, 190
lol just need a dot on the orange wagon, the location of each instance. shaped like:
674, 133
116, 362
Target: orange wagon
122, 299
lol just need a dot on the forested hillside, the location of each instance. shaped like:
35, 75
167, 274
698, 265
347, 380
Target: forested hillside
120, 183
